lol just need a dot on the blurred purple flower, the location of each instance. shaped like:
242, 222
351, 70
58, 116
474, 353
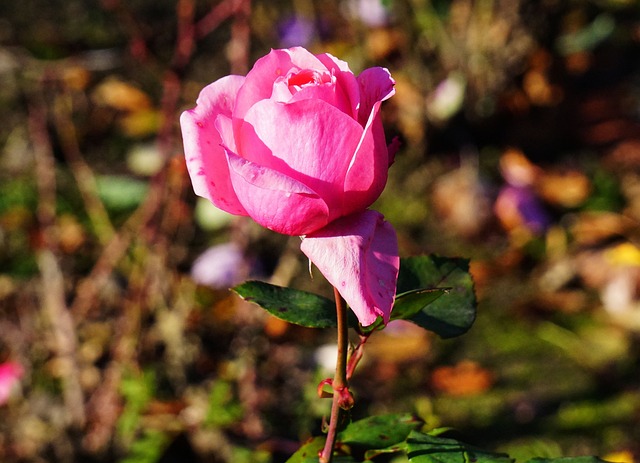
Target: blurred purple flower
518, 206
221, 266
10, 374
373, 13
295, 31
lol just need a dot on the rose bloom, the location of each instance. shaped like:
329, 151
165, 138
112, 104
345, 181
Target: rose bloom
298, 145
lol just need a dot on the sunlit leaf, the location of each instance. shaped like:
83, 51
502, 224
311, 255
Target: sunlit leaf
588, 37
582, 459
223, 410
413, 302
378, 432
120, 95
424, 448
435, 293
309, 451
148, 448
137, 390
121, 193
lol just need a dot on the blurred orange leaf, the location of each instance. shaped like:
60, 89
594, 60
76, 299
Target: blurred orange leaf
464, 379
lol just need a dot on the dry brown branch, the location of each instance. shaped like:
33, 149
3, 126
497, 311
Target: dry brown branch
185, 42
81, 170
215, 17
88, 289
53, 293
104, 406
238, 48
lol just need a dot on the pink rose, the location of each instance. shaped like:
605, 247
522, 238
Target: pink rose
296, 144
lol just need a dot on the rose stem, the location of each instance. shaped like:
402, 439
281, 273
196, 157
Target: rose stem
340, 385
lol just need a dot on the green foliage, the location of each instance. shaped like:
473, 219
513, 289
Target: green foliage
425, 448
17, 192
245, 455
606, 194
587, 38
413, 302
591, 413
137, 391
223, 409
308, 452
454, 312
380, 431
148, 448
368, 438
18, 200
120, 193
584, 459
291, 305
435, 293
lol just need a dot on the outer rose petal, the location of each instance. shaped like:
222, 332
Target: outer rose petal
367, 174
276, 201
206, 159
358, 255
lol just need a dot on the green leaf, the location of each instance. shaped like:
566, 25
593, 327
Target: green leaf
423, 448
411, 303
450, 314
309, 451
121, 193
223, 409
291, 305
372, 453
148, 448
583, 459
435, 293
137, 389
378, 432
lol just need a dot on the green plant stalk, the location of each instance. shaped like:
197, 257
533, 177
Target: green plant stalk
342, 398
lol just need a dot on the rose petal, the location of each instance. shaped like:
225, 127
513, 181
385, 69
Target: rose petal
307, 84
393, 149
274, 200
309, 140
358, 255
331, 93
368, 170
348, 88
376, 85
205, 158
259, 81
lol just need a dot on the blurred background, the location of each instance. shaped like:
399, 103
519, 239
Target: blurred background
119, 341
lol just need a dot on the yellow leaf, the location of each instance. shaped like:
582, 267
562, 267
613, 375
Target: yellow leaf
625, 254
121, 96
